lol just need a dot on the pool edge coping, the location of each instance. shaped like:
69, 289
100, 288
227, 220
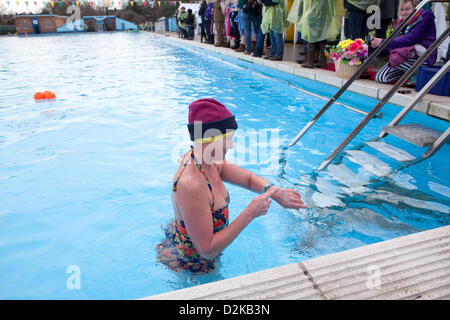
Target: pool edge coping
415, 266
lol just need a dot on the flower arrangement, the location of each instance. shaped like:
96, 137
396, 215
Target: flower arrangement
352, 52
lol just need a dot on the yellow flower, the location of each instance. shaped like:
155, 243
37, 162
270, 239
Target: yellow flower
344, 44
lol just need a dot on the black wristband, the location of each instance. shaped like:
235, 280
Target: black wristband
267, 187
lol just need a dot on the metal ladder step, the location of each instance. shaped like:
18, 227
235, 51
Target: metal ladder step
368, 162
353, 183
414, 133
391, 151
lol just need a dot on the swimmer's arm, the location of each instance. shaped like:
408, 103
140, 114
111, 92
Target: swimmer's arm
236, 175
287, 198
193, 203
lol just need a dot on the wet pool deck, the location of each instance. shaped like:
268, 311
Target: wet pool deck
415, 266
433, 105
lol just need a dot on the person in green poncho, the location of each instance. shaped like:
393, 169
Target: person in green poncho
356, 21
274, 21
318, 21
182, 22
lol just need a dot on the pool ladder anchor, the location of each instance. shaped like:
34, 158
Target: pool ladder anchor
413, 133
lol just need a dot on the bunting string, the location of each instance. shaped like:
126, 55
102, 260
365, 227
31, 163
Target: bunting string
99, 3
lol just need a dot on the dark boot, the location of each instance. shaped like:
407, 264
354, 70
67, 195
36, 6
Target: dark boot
310, 56
241, 48
236, 44
322, 57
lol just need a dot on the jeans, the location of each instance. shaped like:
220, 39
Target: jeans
277, 44
259, 47
249, 20
190, 32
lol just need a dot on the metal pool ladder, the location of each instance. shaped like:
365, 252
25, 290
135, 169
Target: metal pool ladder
414, 133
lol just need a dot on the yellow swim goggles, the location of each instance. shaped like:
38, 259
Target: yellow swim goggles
214, 138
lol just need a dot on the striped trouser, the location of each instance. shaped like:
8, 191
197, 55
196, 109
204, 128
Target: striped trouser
388, 74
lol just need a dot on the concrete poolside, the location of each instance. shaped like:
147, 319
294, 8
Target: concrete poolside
416, 266
433, 105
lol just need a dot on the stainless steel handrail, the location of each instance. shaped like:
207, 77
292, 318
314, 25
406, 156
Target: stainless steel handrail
430, 84
386, 98
363, 67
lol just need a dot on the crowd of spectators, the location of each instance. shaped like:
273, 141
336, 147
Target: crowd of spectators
258, 28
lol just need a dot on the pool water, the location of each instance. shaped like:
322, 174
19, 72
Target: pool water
85, 180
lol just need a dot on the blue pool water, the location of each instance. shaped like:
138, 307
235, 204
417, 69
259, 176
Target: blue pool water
85, 180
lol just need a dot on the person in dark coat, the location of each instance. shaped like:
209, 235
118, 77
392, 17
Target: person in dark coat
191, 23
204, 33
388, 13
209, 20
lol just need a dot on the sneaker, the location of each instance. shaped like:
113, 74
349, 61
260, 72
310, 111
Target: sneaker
256, 55
267, 57
246, 53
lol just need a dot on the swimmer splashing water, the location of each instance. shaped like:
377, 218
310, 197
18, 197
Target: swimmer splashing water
201, 228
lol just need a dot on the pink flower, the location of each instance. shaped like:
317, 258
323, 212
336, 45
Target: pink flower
353, 46
354, 61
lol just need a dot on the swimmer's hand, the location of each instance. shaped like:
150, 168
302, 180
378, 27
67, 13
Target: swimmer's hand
261, 203
288, 198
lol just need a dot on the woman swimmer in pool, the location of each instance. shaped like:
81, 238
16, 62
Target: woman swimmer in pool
200, 230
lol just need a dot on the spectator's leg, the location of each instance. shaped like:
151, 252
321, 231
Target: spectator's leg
256, 22
220, 34
448, 52
207, 25
310, 52
273, 46
211, 31
259, 46
387, 74
248, 33
203, 32
279, 45
322, 58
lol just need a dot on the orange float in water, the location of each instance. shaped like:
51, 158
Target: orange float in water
38, 95
49, 95
44, 95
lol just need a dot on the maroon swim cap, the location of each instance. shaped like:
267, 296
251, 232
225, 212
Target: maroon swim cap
210, 114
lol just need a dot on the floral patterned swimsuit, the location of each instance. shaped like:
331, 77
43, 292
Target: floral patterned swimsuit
177, 251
